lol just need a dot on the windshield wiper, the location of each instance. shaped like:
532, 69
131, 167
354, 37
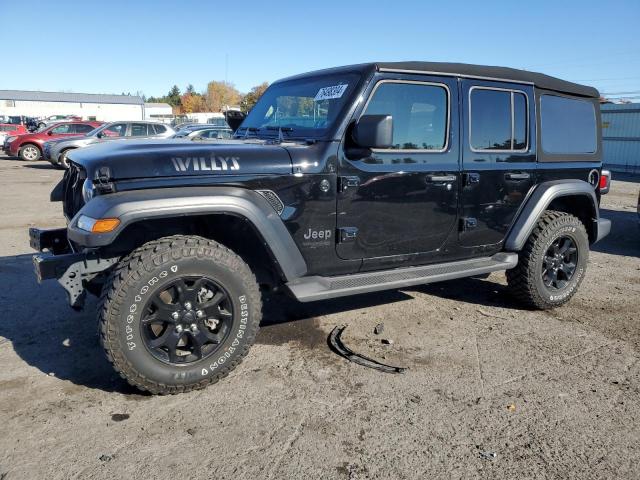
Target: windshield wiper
280, 130
250, 129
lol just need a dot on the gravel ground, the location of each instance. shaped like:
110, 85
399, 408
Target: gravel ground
491, 391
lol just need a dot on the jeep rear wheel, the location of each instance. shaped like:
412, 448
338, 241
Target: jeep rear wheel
178, 314
553, 262
29, 153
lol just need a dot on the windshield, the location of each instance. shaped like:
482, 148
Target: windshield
304, 107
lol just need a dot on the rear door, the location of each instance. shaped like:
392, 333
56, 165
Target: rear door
403, 200
141, 130
498, 159
64, 130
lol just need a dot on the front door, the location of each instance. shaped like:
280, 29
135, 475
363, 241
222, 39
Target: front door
499, 158
402, 200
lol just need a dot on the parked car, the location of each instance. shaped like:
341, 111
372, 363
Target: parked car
56, 151
45, 122
10, 130
477, 169
206, 134
29, 146
192, 128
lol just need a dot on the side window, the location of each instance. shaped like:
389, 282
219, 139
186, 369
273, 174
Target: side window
420, 114
567, 125
80, 128
116, 130
497, 120
139, 130
160, 129
60, 129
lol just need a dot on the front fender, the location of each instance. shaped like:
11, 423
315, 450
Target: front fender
539, 201
134, 206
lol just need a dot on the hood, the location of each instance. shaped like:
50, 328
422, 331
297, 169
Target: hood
129, 159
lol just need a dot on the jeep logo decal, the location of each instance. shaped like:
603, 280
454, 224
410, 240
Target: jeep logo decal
317, 235
203, 164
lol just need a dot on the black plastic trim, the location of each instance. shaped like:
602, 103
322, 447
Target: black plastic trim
539, 201
134, 206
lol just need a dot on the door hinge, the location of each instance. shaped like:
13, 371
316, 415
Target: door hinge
471, 178
346, 183
468, 223
347, 234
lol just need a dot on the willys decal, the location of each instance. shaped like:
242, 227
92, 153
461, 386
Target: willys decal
203, 164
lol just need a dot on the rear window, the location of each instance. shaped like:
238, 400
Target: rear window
568, 125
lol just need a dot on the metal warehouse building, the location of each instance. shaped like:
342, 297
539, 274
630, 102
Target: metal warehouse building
87, 105
621, 137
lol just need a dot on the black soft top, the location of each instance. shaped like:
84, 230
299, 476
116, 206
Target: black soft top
540, 80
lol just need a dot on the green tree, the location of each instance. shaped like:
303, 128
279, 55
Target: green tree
251, 98
173, 97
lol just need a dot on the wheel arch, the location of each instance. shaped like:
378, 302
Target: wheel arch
239, 218
576, 197
27, 143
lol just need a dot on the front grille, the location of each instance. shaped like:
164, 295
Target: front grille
72, 200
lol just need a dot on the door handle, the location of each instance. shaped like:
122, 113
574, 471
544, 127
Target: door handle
517, 176
440, 178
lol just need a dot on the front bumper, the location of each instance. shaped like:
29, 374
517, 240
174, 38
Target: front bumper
46, 152
71, 269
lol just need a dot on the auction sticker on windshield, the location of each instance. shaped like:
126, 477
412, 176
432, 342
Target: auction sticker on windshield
327, 93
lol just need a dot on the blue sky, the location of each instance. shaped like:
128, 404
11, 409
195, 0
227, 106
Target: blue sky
147, 46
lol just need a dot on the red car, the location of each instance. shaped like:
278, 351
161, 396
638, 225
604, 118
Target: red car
29, 147
10, 130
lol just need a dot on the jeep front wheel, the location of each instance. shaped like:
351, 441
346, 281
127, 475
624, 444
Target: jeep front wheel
553, 262
178, 314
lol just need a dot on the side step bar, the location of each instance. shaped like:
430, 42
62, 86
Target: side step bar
307, 289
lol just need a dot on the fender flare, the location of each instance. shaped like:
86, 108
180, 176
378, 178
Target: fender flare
134, 206
539, 200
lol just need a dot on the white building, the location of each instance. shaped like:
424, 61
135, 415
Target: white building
158, 112
204, 117
89, 106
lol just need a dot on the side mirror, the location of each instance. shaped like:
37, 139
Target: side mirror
100, 134
373, 131
50, 132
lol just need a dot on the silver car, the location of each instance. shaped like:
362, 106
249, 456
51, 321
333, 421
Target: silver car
56, 151
205, 134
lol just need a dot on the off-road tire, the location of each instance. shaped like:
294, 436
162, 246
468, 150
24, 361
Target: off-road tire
25, 153
525, 280
145, 271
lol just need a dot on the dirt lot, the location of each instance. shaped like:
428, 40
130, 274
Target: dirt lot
492, 391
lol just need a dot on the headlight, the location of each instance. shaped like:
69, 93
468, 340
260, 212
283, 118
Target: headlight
87, 190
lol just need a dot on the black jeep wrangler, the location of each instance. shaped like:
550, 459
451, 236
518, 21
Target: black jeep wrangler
338, 182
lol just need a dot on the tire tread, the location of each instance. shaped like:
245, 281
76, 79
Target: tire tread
146, 258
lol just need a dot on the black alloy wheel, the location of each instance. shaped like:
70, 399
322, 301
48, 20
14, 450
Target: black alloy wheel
559, 263
187, 320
